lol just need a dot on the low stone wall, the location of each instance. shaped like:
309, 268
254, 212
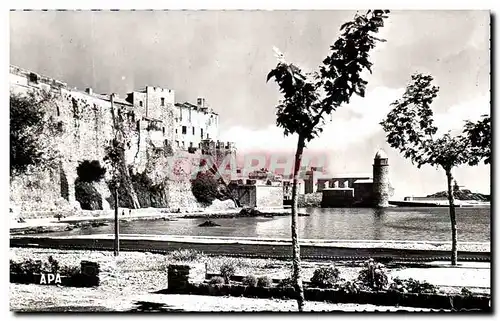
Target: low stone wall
432, 301
181, 276
88, 277
189, 279
310, 200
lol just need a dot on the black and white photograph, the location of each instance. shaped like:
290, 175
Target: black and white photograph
250, 160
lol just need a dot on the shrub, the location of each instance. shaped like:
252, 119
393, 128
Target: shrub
227, 270
58, 216
31, 131
205, 188
264, 282
373, 276
325, 277
30, 267
69, 270
412, 286
52, 266
186, 255
16, 267
216, 280
148, 193
351, 287
90, 171
286, 283
249, 280
466, 292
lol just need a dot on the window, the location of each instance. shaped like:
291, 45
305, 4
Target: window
140, 103
184, 130
201, 133
176, 130
162, 101
193, 130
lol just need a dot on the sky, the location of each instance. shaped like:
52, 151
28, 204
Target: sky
225, 56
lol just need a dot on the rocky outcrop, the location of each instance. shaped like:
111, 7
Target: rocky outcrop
463, 195
88, 196
208, 224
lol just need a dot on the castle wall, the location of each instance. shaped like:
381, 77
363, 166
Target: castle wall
87, 124
363, 193
269, 196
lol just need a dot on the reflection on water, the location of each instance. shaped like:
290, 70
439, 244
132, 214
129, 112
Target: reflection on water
431, 224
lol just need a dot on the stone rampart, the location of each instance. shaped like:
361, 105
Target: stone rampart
88, 123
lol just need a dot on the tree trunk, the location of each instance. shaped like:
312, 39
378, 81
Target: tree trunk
451, 200
297, 277
117, 224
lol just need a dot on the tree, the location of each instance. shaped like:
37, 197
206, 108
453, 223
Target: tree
410, 129
308, 97
31, 132
90, 171
479, 136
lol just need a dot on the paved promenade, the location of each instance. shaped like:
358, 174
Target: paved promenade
251, 247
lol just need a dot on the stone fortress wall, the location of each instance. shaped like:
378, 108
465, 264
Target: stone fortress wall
88, 122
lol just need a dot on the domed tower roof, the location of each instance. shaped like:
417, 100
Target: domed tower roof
380, 154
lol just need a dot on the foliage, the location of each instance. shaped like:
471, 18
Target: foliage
32, 131
227, 270
87, 195
69, 270
410, 129
286, 283
264, 282
217, 280
90, 171
59, 216
325, 277
373, 275
479, 136
148, 193
308, 97
412, 286
31, 267
205, 188
249, 280
351, 286
115, 152
186, 255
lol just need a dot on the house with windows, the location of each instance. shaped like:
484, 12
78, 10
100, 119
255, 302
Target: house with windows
194, 124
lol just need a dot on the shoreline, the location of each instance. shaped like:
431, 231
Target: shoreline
52, 224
